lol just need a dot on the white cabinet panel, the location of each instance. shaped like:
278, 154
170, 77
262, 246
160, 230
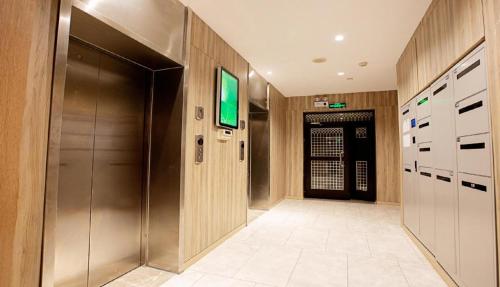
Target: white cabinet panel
469, 75
472, 115
427, 207
424, 154
443, 124
410, 193
474, 154
476, 231
424, 132
423, 103
445, 188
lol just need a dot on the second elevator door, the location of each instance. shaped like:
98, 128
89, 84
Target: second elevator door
98, 234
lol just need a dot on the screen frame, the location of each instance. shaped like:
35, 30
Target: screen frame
218, 97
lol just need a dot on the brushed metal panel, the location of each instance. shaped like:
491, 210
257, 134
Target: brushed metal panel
257, 89
75, 169
92, 30
165, 170
259, 160
115, 235
159, 24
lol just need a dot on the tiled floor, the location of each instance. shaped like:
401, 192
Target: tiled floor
308, 243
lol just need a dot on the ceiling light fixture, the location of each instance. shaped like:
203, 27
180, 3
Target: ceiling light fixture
340, 73
319, 60
269, 72
339, 38
363, 64
251, 74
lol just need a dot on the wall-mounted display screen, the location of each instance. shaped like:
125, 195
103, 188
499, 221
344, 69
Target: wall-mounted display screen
227, 113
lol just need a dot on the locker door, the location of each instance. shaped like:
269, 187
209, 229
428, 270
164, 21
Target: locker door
408, 124
410, 194
443, 121
445, 187
477, 231
423, 102
427, 207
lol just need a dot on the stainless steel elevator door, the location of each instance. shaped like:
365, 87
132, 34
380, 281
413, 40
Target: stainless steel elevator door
98, 224
117, 182
75, 172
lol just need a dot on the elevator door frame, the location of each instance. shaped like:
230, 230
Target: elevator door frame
120, 42
349, 159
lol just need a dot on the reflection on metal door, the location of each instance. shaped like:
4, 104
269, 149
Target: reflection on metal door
327, 165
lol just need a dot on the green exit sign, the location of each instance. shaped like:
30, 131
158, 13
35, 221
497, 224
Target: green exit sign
338, 106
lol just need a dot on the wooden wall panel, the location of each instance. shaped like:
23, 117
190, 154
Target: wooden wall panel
277, 122
385, 105
407, 73
492, 33
447, 32
215, 199
27, 30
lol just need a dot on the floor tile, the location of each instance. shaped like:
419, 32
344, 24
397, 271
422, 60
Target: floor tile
319, 269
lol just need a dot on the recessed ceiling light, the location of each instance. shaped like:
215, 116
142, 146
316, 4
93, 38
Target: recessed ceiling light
363, 64
319, 60
269, 72
339, 38
251, 74
340, 73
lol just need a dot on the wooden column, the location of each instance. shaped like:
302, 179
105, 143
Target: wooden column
27, 33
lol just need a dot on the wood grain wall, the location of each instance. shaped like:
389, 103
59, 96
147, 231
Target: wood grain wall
277, 123
215, 199
385, 105
492, 34
448, 31
27, 30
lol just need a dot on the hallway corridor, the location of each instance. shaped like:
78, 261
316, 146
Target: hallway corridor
308, 243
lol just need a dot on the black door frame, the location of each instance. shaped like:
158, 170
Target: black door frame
350, 191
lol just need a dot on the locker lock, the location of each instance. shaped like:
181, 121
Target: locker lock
199, 142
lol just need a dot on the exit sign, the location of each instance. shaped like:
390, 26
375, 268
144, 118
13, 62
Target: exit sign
338, 106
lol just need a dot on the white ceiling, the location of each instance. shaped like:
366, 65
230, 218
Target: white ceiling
283, 36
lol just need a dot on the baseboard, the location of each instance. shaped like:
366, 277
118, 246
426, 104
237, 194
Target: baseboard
294, 197
428, 255
207, 250
388, 203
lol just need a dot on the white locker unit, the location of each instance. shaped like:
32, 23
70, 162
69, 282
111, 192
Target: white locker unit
443, 124
445, 183
448, 190
446, 251
410, 191
427, 207
477, 231
476, 200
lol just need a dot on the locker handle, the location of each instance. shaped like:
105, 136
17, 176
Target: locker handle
443, 178
407, 170
473, 146
468, 69
405, 112
442, 88
425, 149
424, 125
470, 107
426, 174
474, 186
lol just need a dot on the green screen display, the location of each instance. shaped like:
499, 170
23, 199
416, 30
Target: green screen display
228, 114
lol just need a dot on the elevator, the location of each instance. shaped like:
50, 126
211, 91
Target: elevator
113, 184
101, 168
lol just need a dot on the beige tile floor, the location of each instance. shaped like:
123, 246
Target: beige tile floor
307, 244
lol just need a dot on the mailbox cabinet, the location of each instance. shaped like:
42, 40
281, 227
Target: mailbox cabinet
410, 193
445, 189
476, 230
443, 124
427, 207
470, 76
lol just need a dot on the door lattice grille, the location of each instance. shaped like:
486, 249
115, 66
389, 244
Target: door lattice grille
339, 117
327, 142
362, 175
327, 175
